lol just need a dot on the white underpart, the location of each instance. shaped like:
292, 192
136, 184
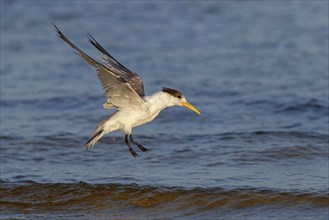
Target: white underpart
127, 118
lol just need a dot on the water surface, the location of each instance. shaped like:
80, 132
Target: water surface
257, 72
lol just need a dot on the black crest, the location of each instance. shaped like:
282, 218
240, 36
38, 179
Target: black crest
172, 92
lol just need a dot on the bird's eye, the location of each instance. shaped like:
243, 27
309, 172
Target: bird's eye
179, 96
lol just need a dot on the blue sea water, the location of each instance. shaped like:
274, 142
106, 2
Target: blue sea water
257, 71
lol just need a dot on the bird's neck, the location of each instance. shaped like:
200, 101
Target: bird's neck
159, 101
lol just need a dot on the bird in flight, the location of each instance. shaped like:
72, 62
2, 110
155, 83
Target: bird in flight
124, 91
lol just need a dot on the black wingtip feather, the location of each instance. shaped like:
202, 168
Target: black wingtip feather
95, 43
59, 33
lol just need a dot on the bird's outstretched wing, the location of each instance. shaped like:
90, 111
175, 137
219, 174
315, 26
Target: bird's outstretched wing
115, 78
120, 70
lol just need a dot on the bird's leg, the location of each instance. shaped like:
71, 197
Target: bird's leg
141, 147
129, 147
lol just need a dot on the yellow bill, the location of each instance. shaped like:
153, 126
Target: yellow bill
191, 107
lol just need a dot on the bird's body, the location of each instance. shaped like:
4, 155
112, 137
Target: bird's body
125, 119
125, 93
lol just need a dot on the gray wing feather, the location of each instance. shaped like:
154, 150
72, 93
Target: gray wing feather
119, 94
120, 70
117, 89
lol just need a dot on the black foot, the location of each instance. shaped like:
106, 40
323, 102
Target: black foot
141, 147
133, 153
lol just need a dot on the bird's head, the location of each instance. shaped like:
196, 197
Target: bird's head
177, 98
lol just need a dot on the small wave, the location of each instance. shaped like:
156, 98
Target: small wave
306, 152
29, 195
315, 106
269, 146
308, 105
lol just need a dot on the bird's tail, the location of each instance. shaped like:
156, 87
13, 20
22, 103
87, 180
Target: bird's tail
102, 128
96, 135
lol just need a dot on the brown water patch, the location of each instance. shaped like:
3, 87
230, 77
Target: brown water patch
30, 196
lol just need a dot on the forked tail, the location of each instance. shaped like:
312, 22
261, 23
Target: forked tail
103, 127
94, 139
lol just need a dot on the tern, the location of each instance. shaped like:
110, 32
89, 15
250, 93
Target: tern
124, 91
